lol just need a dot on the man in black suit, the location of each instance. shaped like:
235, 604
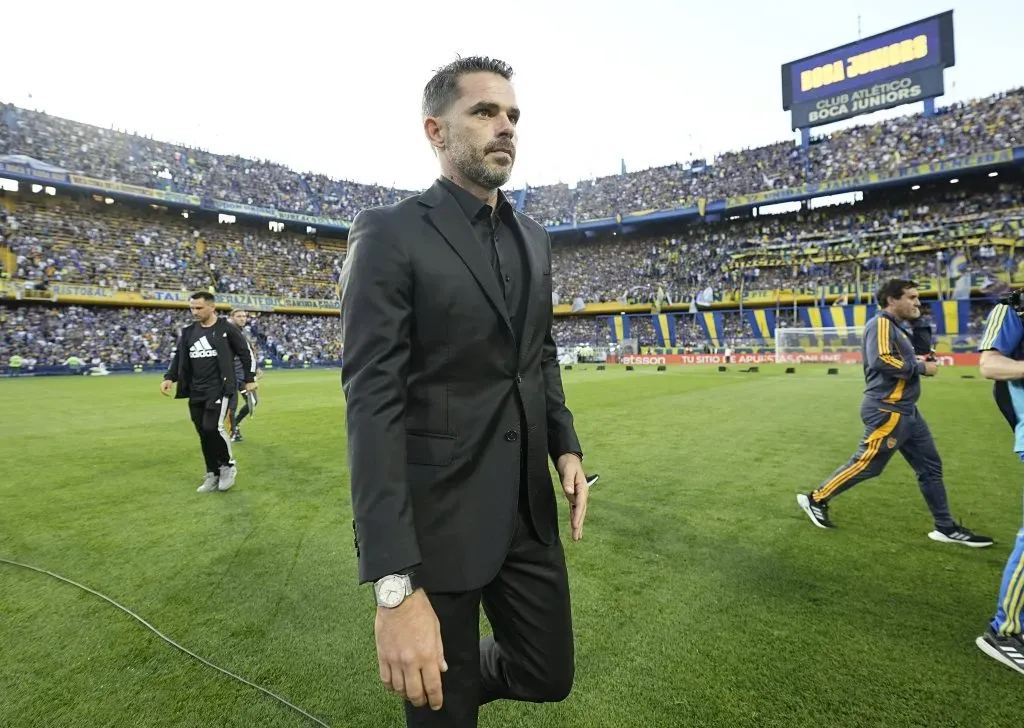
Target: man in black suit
454, 405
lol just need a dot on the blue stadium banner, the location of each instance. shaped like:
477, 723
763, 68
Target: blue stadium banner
854, 316
11, 165
848, 316
811, 317
951, 318
957, 264
762, 321
619, 328
90, 294
711, 323
665, 329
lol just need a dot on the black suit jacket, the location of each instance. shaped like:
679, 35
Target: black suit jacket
439, 396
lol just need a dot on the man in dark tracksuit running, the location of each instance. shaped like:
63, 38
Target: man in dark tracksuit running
891, 419
204, 371
239, 317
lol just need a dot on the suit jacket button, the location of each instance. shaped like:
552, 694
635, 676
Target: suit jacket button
511, 435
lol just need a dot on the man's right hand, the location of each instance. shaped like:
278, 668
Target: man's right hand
165, 387
409, 650
930, 369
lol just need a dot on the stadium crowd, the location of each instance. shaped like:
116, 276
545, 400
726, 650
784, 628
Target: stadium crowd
83, 241
801, 249
47, 335
131, 247
113, 155
116, 246
981, 125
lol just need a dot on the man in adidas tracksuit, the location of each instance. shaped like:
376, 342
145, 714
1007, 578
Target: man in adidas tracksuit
892, 421
203, 368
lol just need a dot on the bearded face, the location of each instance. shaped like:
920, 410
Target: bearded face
480, 130
487, 163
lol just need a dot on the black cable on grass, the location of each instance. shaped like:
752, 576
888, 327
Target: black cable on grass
164, 637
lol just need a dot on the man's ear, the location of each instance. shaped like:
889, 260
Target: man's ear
434, 129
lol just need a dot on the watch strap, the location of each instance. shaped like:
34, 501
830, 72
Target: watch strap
410, 571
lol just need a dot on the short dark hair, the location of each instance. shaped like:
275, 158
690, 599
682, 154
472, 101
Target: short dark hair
894, 288
205, 295
442, 90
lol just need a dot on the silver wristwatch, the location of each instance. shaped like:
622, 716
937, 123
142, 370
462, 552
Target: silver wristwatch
391, 590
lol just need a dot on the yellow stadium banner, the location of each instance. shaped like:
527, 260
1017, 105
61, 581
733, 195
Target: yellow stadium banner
965, 238
8, 259
80, 293
930, 288
619, 324
764, 329
711, 326
609, 308
87, 294
125, 188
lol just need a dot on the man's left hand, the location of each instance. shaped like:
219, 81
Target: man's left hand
574, 484
251, 386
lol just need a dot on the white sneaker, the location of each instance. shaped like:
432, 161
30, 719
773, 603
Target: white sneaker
209, 484
227, 476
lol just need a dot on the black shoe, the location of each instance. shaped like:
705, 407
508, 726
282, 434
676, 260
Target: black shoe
1007, 650
236, 436
817, 512
960, 534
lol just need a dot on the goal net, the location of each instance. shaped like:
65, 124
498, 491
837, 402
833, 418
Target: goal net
826, 344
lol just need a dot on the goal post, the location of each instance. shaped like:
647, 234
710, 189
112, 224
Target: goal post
822, 344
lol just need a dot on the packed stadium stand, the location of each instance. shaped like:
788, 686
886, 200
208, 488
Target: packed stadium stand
87, 241
116, 156
48, 335
78, 237
803, 248
994, 122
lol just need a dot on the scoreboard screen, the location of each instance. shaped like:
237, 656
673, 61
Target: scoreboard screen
896, 67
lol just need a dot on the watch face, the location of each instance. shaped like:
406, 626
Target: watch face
390, 591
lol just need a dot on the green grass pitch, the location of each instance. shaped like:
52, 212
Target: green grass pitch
702, 595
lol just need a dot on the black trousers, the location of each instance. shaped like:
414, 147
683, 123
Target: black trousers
885, 434
529, 657
237, 415
232, 413
251, 400
208, 417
